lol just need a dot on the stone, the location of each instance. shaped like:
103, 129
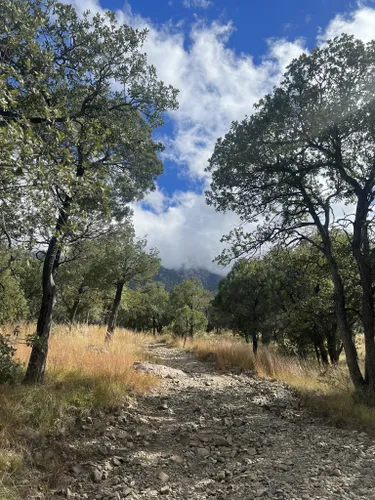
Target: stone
177, 459
164, 478
164, 490
96, 475
202, 452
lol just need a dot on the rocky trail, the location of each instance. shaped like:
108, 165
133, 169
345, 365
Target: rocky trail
206, 435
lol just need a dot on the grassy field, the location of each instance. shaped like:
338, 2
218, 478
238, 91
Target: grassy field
82, 375
327, 392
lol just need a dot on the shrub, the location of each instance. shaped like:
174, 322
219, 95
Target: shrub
9, 368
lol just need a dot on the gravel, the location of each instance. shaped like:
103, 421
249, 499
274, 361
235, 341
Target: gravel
207, 435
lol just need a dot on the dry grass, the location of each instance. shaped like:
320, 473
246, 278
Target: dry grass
82, 375
328, 393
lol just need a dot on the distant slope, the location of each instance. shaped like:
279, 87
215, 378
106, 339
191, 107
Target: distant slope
172, 277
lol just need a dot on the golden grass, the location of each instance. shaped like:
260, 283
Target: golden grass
328, 393
82, 375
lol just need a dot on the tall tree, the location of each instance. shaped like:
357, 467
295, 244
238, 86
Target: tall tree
189, 296
309, 146
245, 296
155, 299
83, 99
125, 260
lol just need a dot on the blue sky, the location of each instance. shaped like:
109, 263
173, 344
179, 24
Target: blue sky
223, 55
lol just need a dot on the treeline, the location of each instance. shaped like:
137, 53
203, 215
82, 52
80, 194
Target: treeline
104, 281
287, 297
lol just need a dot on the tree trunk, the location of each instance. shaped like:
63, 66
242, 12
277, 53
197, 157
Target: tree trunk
153, 325
191, 332
362, 255
114, 311
368, 323
322, 351
333, 348
317, 354
38, 357
74, 309
342, 322
255, 343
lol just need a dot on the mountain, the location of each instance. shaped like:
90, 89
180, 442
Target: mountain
172, 277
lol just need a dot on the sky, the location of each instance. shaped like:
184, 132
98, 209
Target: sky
223, 56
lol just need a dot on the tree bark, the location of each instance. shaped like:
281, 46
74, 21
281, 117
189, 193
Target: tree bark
255, 343
114, 311
333, 348
345, 331
361, 253
153, 325
38, 357
317, 354
322, 351
74, 309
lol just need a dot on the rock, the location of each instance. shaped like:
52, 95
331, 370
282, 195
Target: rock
164, 490
126, 491
202, 452
76, 469
96, 475
164, 478
177, 459
221, 441
221, 475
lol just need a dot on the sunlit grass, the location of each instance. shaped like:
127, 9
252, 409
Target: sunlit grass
83, 374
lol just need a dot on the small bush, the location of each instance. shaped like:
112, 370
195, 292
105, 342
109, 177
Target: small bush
10, 369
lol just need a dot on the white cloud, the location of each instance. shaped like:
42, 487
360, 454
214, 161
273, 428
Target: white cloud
360, 23
155, 200
217, 85
203, 4
188, 232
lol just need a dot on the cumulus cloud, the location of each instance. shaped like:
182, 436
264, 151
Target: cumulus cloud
187, 232
217, 86
360, 23
202, 4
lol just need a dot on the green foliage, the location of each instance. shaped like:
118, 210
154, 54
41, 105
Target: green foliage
309, 146
13, 305
245, 295
10, 370
124, 257
187, 321
188, 303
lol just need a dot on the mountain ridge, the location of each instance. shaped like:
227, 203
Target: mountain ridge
172, 277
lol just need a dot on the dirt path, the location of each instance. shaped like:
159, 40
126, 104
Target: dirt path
207, 435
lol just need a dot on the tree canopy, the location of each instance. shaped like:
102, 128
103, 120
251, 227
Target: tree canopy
307, 148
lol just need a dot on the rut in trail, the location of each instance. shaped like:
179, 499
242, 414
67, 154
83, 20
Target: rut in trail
206, 435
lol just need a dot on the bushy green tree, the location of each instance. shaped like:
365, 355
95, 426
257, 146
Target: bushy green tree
78, 109
125, 260
188, 295
245, 296
309, 145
